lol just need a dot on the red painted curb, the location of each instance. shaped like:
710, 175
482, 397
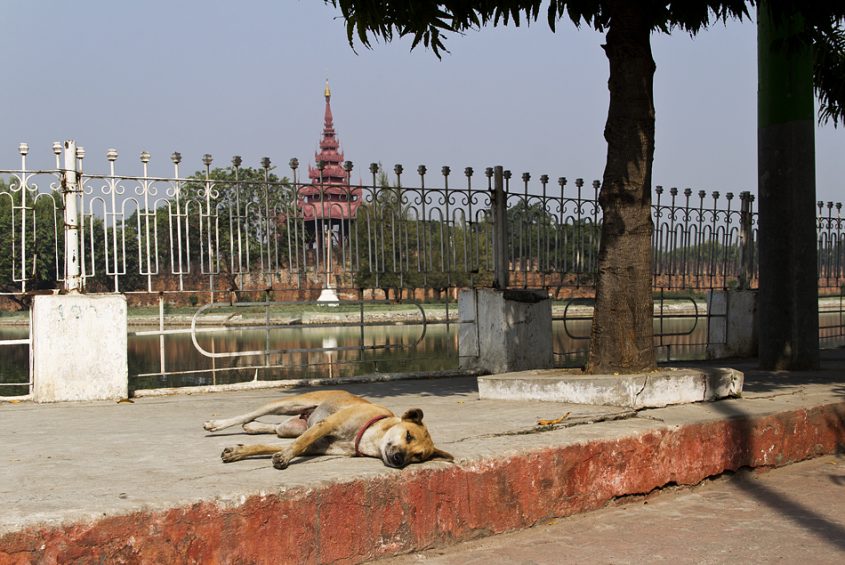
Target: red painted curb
363, 519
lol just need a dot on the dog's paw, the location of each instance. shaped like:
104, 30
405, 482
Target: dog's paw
254, 428
281, 460
211, 426
231, 454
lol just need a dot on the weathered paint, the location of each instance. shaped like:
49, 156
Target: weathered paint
79, 347
502, 331
731, 323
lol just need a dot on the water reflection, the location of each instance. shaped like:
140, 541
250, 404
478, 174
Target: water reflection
385, 350
174, 361
14, 362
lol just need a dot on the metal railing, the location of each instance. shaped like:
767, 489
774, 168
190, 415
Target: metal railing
239, 228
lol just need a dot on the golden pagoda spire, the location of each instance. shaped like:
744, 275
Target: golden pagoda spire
328, 92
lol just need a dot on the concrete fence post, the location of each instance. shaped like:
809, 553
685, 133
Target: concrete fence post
505, 330
78, 341
731, 323
79, 347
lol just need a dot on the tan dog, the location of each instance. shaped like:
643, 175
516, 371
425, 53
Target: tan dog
334, 422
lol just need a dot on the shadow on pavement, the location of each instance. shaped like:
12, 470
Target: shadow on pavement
757, 381
804, 517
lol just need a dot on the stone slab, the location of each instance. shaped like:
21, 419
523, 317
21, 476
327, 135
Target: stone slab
659, 388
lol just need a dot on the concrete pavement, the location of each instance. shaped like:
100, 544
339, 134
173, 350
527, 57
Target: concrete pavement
142, 482
792, 514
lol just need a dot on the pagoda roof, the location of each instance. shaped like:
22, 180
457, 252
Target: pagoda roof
329, 196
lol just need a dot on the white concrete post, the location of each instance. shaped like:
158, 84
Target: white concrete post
79, 347
731, 323
504, 331
70, 190
79, 342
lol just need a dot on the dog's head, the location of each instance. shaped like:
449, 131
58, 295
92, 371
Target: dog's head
409, 442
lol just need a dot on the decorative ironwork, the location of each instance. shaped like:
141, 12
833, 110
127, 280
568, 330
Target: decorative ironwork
237, 228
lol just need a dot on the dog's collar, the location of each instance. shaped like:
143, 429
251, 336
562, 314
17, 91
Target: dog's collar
363, 429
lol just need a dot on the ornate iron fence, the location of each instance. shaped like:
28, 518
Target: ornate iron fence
239, 228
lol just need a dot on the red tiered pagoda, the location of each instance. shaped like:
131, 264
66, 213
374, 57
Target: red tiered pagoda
329, 200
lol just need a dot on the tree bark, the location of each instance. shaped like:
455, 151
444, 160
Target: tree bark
622, 331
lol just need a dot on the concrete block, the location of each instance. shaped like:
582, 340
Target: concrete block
79, 347
503, 331
732, 323
468, 347
649, 390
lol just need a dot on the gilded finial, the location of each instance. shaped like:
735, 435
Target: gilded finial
328, 92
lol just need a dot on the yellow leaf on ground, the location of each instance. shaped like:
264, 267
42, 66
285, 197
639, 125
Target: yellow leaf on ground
553, 422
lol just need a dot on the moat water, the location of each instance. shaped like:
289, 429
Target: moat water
174, 361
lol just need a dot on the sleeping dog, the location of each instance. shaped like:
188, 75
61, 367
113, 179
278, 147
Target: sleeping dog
334, 422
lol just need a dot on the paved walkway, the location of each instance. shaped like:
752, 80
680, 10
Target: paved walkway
131, 464
793, 514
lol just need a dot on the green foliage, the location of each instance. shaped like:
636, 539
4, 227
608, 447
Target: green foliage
381, 238
30, 229
828, 72
711, 252
531, 231
538, 242
98, 257
429, 22
244, 195
396, 247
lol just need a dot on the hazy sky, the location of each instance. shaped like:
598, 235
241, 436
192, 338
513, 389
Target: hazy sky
226, 78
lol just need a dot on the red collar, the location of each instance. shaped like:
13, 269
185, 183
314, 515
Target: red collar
364, 429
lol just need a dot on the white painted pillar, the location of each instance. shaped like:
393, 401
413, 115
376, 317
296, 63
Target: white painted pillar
70, 190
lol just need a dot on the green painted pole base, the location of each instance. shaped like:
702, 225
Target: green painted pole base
788, 295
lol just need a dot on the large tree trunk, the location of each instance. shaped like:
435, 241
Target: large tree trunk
622, 331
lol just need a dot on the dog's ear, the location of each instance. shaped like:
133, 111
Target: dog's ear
413, 415
440, 454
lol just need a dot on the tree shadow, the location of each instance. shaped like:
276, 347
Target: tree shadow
813, 522
768, 381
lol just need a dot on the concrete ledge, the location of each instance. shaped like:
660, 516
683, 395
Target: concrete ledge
389, 513
652, 390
